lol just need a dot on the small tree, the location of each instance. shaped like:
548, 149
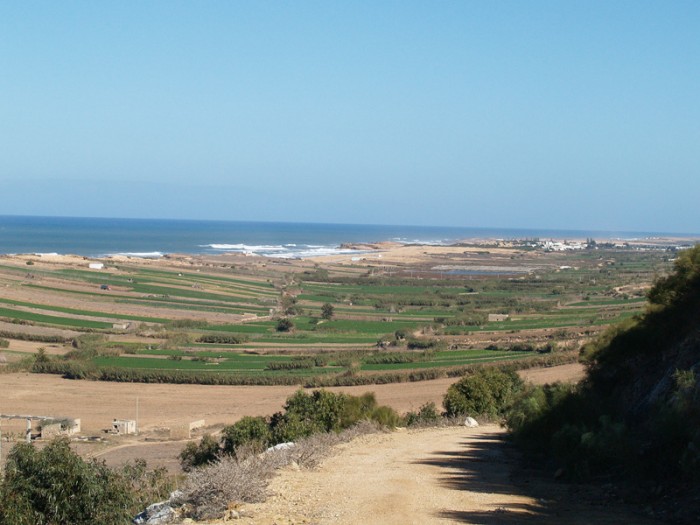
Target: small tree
284, 325
327, 311
55, 485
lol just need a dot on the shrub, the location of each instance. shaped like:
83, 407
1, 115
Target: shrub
54, 485
21, 336
320, 408
488, 391
4, 343
421, 344
254, 431
225, 339
211, 488
427, 414
87, 346
174, 340
187, 323
385, 416
202, 453
284, 325
393, 358
294, 364
327, 311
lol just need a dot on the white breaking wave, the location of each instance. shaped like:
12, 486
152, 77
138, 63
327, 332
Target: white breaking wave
313, 252
142, 255
287, 251
246, 247
421, 242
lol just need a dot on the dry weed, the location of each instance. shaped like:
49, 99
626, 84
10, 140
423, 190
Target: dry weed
211, 488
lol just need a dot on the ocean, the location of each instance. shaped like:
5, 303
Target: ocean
100, 237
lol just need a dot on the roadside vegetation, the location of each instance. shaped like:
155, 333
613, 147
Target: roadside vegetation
54, 486
636, 418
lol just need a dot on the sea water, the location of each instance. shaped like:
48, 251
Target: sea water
98, 237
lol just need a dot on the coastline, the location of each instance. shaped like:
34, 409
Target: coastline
155, 239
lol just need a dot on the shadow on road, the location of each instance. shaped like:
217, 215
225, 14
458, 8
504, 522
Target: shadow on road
488, 465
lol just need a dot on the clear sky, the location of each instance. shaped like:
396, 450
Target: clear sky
558, 114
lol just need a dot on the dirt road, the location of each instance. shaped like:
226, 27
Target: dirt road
433, 476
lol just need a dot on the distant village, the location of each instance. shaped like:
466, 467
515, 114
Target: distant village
670, 245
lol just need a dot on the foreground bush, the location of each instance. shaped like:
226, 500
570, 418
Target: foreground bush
56, 486
426, 415
253, 431
304, 415
202, 453
488, 391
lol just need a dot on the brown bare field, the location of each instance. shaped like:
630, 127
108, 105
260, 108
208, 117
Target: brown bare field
161, 406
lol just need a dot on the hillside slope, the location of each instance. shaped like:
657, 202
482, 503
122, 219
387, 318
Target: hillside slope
635, 419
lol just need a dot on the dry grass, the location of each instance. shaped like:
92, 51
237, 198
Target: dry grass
211, 489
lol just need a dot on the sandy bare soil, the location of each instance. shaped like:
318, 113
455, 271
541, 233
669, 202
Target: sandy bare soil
163, 406
435, 476
160, 405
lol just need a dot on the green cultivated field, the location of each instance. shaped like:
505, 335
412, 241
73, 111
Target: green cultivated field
404, 321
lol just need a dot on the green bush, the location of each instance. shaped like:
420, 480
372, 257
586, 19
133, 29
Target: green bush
292, 427
55, 486
327, 311
323, 411
320, 408
421, 344
488, 391
393, 358
4, 343
294, 364
427, 414
253, 431
284, 325
224, 339
202, 453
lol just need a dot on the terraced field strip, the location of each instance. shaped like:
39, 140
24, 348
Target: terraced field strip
52, 320
158, 301
611, 302
220, 366
542, 322
385, 367
263, 286
88, 313
163, 286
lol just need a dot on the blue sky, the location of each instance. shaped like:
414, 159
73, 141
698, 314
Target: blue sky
558, 114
